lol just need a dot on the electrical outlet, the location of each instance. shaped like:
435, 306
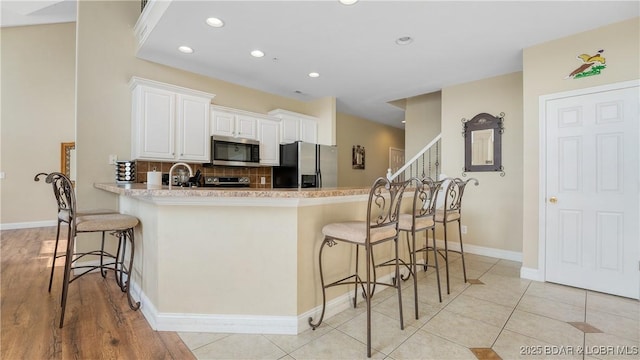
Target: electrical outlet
263, 180
463, 228
2, 175
113, 159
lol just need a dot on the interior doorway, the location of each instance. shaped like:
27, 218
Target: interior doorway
396, 161
590, 170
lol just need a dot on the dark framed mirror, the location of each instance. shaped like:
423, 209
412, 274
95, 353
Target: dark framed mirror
483, 143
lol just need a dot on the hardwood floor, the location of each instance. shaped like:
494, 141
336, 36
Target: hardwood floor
98, 324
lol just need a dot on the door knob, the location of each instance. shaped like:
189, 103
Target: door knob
553, 200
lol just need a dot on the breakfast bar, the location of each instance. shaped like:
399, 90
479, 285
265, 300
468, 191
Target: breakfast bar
236, 260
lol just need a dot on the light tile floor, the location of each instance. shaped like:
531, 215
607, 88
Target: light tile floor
516, 318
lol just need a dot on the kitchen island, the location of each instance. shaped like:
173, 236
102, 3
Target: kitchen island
237, 260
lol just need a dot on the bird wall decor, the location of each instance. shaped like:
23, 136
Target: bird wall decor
591, 65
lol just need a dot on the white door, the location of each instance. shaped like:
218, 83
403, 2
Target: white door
592, 166
396, 161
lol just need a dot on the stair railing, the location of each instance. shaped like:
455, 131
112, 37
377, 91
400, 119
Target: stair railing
426, 163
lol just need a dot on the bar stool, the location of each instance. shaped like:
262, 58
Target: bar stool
450, 212
380, 226
120, 225
422, 218
63, 217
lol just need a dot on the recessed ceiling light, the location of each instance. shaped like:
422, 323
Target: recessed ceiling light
405, 40
215, 22
348, 2
185, 49
314, 74
257, 53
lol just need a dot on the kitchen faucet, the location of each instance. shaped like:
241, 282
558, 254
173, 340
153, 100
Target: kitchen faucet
171, 172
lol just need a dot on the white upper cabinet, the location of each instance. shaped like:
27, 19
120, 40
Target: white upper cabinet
296, 127
229, 122
169, 122
269, 135
193, 128
244, 124
222, 123
290, 129
153, 124
309, 130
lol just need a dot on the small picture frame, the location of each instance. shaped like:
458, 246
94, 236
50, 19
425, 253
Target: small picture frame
357, 158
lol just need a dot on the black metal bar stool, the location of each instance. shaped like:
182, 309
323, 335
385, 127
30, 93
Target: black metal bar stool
380, 226
120, 225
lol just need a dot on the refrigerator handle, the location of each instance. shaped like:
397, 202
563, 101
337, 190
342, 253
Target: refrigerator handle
318, 172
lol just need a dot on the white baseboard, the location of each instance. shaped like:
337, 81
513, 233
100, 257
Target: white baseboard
28, 225
216, 323
237, 324
482, 250
532, 274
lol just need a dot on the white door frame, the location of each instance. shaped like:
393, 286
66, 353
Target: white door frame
392, 149
542, 180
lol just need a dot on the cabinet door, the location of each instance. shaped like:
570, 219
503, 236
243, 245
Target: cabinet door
308, 131
154, 124
223, 123
193, 128
269, 136
290, 129
246, 127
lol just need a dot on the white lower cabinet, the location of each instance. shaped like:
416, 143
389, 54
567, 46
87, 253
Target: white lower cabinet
169, 123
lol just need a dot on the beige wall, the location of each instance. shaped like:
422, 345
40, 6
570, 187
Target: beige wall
493, 210
325, 110
376, 139
38, 72
545, 66
106, 62
43, 69
422, 116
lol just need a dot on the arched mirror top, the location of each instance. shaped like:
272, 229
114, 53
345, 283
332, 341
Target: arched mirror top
483, 143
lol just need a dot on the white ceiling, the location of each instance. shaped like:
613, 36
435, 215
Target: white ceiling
30, 12
353, 47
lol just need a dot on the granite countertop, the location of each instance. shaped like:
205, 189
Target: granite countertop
141, 190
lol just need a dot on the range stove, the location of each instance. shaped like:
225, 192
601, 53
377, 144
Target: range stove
226, 181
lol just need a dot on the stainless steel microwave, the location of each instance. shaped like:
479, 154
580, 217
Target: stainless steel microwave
234, 152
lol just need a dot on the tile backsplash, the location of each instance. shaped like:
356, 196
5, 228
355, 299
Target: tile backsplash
254, 173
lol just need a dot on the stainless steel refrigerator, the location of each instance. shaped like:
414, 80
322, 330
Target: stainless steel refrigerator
306, 165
